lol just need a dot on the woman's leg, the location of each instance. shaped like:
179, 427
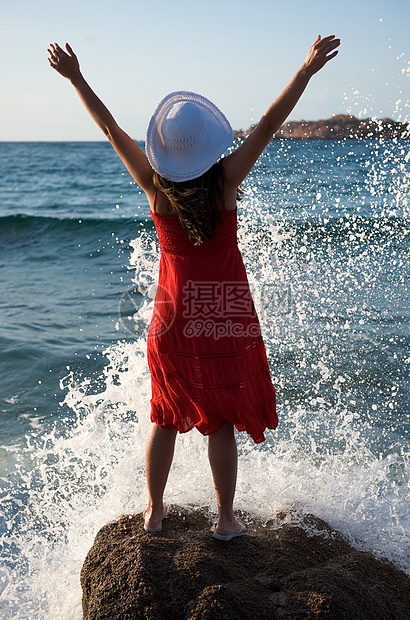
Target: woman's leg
159, 452
223, 458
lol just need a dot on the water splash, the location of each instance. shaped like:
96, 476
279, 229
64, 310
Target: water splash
326, 252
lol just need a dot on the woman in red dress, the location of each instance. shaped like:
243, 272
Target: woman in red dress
205, 351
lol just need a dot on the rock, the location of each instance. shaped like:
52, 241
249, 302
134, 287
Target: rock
279, 570
339, 127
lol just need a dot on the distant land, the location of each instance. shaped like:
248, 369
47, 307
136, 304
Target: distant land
339, 127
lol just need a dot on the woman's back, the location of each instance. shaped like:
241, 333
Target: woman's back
205, 350
227, 202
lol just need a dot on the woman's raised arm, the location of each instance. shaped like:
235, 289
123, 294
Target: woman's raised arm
239, 163
135, 160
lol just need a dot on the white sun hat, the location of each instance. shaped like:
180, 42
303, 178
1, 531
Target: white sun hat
186, 135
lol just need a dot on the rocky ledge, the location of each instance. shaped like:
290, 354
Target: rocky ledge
282, 569
339, 127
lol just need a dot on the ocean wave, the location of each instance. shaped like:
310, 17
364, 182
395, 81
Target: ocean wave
351, 228
22, 219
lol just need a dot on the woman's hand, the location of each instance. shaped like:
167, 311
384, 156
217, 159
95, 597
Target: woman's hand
65, 64
238, 164
320, 53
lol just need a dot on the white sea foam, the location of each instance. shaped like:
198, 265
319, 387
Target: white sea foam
93, 472
333, 454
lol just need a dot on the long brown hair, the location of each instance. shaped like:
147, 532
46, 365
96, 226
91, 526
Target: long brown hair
197, 202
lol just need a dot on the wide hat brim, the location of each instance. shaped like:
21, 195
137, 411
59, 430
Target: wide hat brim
183, 165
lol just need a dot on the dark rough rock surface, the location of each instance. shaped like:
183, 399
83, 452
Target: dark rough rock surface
278, 570
339, 127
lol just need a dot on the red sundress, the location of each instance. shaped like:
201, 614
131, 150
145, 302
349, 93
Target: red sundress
205, 350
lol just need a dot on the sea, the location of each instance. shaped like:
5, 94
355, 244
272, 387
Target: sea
324, 230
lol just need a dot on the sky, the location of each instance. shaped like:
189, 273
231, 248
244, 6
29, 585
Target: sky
238, 53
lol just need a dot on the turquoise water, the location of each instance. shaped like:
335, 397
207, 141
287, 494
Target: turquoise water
324, 231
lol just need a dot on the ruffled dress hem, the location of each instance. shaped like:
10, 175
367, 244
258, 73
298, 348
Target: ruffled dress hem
188, 420
205, 351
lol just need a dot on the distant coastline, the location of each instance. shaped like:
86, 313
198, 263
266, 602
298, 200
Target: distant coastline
339, 127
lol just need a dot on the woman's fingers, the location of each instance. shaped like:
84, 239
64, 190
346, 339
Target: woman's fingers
53, 51
326, 39
332, 55
65, 63
69, 50
53, 58
56, 52
58, 48
327, 44
321, 52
